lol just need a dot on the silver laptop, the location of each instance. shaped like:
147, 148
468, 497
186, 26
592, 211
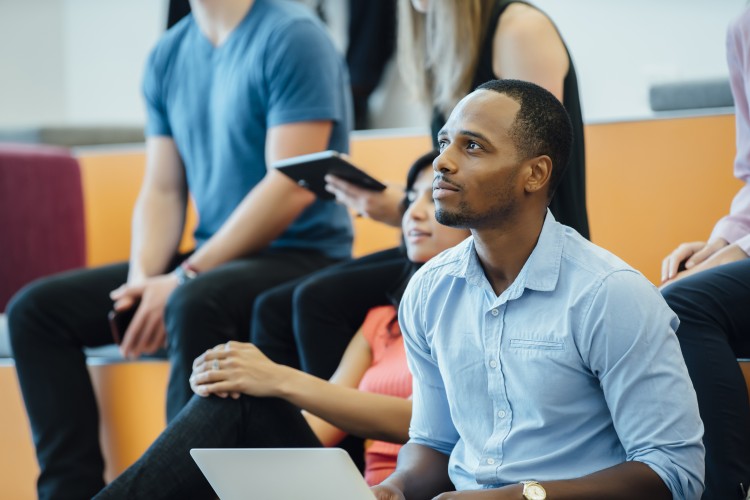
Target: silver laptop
282, 474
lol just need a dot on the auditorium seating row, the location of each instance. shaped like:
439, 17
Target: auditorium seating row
651, 185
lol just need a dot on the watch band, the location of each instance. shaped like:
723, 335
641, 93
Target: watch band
184, 273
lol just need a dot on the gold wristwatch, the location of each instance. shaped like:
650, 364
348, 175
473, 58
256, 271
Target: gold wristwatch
532, 490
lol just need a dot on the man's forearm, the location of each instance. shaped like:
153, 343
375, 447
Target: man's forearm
422, 472
158, 223
622, 482
259, 219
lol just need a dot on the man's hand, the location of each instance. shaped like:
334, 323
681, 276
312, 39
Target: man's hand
387, 492
690, 254
237, 368
511, 492
697, 257
146, 333
382, 206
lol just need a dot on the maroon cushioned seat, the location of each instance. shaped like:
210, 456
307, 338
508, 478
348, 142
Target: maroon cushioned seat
41, 215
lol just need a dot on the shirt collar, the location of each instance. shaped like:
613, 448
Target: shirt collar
541, 270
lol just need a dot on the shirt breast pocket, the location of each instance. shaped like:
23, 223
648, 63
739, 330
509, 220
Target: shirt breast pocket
536, 345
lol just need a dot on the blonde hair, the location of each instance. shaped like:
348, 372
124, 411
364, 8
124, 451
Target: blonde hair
438, 52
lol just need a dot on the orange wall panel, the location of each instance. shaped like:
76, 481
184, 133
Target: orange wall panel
653, 184
111, 181
387, 158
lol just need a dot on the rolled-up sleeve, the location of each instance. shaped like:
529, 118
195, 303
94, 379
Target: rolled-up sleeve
629, 341
431, 423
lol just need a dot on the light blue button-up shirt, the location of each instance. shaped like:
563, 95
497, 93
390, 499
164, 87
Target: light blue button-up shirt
572, 369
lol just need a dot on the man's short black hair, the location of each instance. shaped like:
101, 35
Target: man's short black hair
542, 126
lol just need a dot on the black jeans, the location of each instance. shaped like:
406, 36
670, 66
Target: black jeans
308, 323
51, 320
168, 471
714, 311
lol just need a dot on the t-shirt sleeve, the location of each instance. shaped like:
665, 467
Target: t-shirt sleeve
304, 75
157, 122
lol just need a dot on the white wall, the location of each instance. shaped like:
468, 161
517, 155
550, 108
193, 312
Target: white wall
81, 61
106, 44
620, 47
31, 62
75, 61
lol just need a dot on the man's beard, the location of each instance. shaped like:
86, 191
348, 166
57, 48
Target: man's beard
463, 217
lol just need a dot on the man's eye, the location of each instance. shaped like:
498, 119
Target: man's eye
473, 145
442, 144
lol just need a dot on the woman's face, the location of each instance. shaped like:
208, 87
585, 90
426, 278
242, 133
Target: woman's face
424, 236
421, 5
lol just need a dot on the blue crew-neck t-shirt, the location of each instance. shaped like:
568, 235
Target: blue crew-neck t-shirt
278, 66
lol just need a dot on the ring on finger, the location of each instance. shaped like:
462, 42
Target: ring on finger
215, 364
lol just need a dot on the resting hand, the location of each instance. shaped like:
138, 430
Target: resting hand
237, 368
712, 255
382, 206
146, 332
387, 492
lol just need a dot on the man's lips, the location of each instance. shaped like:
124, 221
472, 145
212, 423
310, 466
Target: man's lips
442, 188
442, 184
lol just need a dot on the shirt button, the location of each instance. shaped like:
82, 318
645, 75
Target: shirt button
493, 364
501, 414
495, 312
490, 461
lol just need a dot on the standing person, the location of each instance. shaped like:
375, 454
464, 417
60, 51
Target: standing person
711, 297
367, 396
543, 365
447, 48
234, 86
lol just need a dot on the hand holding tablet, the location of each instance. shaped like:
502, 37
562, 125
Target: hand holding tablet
309, 171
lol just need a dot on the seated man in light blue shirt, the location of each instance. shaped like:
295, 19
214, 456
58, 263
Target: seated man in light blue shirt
544, 366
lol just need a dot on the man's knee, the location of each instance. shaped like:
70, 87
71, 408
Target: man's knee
187, 311
185, 302
26, 309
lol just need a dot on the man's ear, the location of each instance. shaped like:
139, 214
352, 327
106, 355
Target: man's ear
540, 170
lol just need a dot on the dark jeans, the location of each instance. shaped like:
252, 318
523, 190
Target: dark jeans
714, 311
51, 320
168, 471
308, 323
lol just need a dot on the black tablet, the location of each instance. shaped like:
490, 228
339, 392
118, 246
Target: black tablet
309, 171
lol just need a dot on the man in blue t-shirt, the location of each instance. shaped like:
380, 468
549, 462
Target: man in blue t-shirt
230, 89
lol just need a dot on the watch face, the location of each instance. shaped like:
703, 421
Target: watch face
534, 492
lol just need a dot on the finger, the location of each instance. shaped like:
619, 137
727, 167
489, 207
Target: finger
133, 291
678, 256
118, 292
130, 337
698, 257
340, 184
157, 340
217, 388
665, 270
705, 252
150, 330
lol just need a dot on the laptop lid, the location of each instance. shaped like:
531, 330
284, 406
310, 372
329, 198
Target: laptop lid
282, 474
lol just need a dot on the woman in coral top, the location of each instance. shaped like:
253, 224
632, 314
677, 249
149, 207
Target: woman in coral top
245, 400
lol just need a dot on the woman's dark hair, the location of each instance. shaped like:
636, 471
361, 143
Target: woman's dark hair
395, 294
